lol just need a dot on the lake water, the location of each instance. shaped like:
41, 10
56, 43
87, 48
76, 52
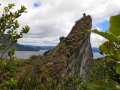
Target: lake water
27, 54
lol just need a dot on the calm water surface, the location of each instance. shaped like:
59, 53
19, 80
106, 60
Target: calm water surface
27, 54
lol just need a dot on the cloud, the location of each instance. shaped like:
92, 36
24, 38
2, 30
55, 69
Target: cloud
55, 18
96, 40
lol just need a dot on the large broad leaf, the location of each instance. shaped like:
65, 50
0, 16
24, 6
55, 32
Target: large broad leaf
115, 25
108, 36
109, 49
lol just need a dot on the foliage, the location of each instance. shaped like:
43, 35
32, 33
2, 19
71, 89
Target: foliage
30, 74
7, 72
9, 26
9, 34
111, 47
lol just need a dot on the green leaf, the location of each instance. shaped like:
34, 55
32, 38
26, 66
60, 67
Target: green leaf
4, 63
6, 9
12, 51
13, 82
108, 36
11, 5
25, 29
117, 68
115, 25
109, 49
16, 24
23, 8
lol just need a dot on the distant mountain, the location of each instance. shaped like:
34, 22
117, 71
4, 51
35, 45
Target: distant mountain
19, 47
24, 48
41, 47
38, 48
47, 47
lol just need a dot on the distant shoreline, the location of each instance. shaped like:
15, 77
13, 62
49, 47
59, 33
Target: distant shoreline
28, 54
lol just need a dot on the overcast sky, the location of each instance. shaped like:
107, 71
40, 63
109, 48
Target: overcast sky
50, 19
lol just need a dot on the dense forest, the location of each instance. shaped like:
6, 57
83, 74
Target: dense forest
44, 73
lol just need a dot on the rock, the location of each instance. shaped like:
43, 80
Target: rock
74, 53
69, 59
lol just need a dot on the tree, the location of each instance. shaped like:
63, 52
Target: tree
9, 26
9, 35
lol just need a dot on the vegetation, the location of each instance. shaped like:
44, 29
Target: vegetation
30, 74
62, 38
8, 37
9, 29
111, 48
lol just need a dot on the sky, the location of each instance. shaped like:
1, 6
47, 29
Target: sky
51, 19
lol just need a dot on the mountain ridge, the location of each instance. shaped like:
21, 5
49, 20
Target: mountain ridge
38, 48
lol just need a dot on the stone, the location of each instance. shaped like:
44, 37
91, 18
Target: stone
74, 53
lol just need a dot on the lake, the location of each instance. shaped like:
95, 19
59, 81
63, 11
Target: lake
27, 54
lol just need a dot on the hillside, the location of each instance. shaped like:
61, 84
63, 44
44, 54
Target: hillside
24, 48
